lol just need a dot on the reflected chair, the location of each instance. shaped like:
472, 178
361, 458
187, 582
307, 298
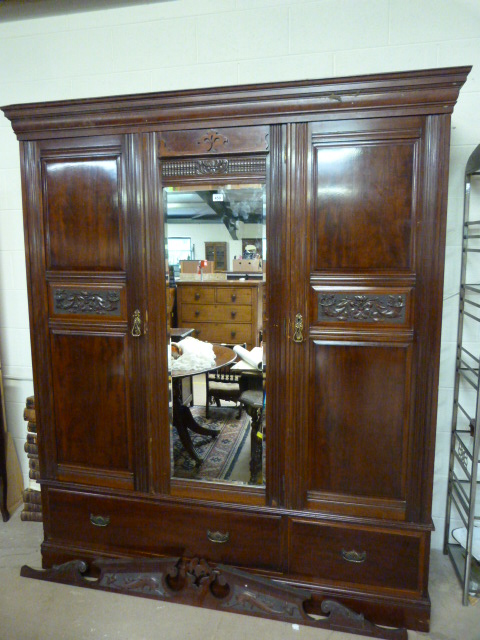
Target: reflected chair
253, 399
223, 384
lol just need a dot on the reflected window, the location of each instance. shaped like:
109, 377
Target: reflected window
178, 249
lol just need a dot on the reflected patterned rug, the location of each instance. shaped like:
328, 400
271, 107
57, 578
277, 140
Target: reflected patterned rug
219, 454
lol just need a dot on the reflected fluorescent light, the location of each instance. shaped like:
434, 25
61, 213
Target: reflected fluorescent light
336, 154
334, 191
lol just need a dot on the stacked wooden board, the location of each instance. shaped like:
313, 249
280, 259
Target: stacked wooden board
32, 499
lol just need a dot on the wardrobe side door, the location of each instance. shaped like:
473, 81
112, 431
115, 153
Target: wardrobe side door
84, 226
358, 349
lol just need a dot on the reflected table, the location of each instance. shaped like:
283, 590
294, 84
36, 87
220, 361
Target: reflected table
176, 335
183, 420
180, 333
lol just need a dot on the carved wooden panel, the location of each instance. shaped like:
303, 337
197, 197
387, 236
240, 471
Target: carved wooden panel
355, 307
359, 429
181, 580
214, 141
87, 300
82, 213
364, 202
91, 410
223, 588
212, 167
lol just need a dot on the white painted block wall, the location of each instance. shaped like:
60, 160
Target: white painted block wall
184, 44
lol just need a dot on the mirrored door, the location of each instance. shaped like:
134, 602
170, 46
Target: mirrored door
215, 248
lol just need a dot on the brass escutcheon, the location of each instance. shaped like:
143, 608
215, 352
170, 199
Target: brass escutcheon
137, 324
298, 328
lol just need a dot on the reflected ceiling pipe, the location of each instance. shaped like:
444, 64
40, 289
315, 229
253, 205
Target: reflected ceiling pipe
221, 208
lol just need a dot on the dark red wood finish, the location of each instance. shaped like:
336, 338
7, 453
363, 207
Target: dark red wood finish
356, 175
358, 447
90, 254
383, 558
86, 235
185, 529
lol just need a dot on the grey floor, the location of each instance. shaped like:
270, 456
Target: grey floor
31, 610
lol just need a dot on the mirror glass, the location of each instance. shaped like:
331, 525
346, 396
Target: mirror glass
215, 238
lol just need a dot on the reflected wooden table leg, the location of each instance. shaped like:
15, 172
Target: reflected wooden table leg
253, 402
256, 446
184, 422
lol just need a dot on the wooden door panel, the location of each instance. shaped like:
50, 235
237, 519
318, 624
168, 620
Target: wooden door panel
359, 314
89, 218
358, 439
83, 222
363, 206
91, 409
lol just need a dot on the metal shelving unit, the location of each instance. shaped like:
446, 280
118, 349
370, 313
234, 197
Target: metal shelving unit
465, 443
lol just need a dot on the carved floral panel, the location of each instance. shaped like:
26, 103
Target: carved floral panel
87, 301
350, 307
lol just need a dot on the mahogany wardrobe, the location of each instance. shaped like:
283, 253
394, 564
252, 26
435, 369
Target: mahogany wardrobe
353, 174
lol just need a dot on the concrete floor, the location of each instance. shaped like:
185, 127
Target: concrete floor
35, 610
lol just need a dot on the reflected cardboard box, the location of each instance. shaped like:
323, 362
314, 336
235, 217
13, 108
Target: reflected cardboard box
255, 265
191, 266
205, 277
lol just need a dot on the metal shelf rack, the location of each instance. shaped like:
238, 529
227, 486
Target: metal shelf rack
465, 443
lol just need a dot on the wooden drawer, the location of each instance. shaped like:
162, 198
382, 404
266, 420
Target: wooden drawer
228, 333
200, 294
234, 295
167, 530
215, 313
381, 558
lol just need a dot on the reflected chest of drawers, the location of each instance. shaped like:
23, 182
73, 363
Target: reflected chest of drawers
221, 311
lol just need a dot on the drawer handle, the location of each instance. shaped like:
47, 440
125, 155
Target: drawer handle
234, 297
197, 313
218, 537
197, 296
234, 313
99, 521
356, 557
233, 334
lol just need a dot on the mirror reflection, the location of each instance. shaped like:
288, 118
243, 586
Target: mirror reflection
215, 239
